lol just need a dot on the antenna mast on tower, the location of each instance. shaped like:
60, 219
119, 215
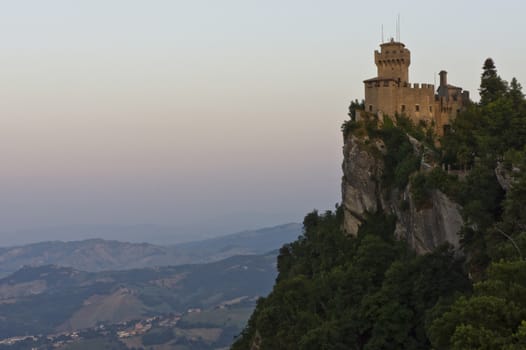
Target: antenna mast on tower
398, 28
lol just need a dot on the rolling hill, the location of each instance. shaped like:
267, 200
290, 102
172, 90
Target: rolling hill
47, 299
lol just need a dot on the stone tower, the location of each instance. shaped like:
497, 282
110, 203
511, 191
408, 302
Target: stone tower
393, 61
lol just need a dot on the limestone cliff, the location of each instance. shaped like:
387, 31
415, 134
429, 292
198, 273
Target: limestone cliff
424, 227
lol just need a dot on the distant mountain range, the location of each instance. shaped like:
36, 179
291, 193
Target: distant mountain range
99, 255
154, 234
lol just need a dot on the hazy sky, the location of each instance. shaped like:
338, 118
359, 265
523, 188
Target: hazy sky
207, 115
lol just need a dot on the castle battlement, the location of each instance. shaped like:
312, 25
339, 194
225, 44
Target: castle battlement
391, 93
373, 83
419, 86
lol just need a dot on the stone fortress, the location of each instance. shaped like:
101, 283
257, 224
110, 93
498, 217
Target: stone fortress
363, 190
390, 93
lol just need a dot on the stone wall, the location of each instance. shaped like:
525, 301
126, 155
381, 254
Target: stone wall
390, 98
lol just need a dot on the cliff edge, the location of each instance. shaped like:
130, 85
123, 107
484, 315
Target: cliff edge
377, 171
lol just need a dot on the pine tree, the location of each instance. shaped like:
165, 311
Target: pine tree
491, 85
515, 93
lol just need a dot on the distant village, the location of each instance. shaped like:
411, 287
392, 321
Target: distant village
129, 334
120, 331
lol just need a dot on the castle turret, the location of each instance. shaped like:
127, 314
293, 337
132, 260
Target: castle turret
443, 78
443, 87
393, 61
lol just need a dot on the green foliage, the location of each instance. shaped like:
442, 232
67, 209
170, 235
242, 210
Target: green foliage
421, 132
488, 130
515, 202
422, 184
492, 87
492, 318
348, 127
487, 136
340, 292
400, 160
481, 195
484, 136
352, 124
356, 105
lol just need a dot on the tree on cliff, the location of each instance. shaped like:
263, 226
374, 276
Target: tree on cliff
339, 292
491, 85
486, 131
494, 317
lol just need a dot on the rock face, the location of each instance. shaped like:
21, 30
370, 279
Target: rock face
432, 226
506, 177
360, 183
424, 228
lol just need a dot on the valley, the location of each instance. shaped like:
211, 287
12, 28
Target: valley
193, 329
97, 293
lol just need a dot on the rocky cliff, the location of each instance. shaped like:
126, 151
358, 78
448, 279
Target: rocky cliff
424, 226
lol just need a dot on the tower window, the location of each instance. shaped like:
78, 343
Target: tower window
417, 108
370, 108
431, 108
402, 108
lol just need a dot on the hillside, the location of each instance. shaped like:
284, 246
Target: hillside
246, 242
99, 255
47, 299
390, 268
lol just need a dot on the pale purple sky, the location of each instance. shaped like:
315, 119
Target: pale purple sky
211, 116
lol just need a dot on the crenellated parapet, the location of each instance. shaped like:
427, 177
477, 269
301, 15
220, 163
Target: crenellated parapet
375, 82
